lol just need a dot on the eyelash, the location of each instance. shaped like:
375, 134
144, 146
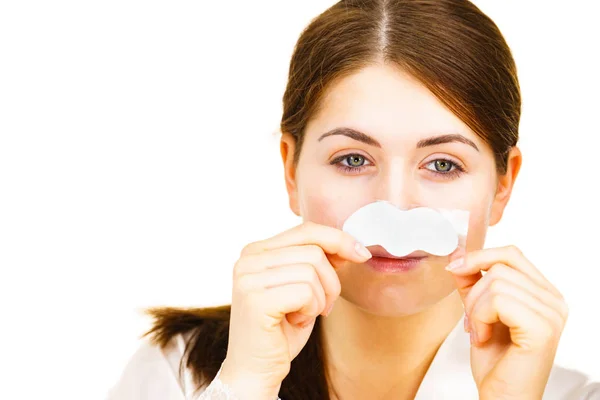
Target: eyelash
346, 168
455, 172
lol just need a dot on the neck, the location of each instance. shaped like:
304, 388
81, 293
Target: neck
388, 356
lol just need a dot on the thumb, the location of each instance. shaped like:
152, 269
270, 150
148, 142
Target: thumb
336, 261
464, 283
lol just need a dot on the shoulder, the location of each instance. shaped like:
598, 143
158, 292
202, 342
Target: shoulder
154, 372
570, 384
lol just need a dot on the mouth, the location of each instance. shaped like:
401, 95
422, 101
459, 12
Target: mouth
383, 261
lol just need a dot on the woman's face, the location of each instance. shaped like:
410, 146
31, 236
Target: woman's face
402, 145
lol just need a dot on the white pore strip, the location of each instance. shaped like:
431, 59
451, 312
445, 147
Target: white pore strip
401, 232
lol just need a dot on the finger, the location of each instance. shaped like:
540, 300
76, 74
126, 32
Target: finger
521, 281
270, 306
288, 275
532, 324
274, 303
530, 341
331, 240
466, 282
308, 254
482, 260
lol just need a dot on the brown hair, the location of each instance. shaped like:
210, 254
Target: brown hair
451, 47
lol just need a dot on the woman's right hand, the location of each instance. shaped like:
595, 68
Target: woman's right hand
280, 286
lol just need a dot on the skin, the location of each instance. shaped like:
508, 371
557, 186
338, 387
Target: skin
401, 319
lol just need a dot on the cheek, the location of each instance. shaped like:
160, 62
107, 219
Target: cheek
329, 205
478, 224
324, 198
325, 208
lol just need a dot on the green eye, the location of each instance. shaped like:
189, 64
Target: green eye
351, 163
446, 169
443, 165
355, 160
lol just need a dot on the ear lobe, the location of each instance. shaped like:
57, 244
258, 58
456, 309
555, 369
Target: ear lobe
287, 148
505, 186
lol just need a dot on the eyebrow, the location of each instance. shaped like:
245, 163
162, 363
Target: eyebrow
353, 134
431, 141
451, 138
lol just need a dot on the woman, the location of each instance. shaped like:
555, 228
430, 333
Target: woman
416, 103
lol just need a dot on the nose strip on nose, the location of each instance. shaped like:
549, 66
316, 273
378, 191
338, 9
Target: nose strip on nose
401, 232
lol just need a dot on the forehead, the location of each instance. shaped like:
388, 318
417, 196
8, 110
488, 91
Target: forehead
386, 102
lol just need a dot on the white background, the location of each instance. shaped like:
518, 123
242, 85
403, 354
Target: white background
138, 154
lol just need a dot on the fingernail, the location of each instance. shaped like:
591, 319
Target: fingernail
328, 311
466, 323
362, 251
456, 264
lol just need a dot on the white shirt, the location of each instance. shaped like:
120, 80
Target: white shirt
153, 374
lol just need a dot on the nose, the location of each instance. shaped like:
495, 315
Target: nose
399, 186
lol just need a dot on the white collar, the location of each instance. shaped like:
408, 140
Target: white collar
450, 370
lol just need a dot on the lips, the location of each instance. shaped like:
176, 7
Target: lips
378, 251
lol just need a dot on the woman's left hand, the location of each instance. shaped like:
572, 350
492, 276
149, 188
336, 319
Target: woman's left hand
515, 317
